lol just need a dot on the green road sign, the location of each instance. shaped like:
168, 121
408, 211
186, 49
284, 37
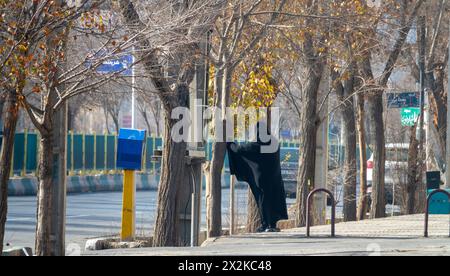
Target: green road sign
410, 116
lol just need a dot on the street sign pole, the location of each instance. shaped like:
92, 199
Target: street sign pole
129, 184
130, 149
422, 53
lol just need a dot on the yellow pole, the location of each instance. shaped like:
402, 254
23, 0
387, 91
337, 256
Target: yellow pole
129, 206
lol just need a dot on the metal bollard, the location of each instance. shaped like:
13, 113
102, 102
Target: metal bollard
333, 212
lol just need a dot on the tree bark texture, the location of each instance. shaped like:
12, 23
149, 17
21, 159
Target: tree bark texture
363, 198
9, 129
308, 127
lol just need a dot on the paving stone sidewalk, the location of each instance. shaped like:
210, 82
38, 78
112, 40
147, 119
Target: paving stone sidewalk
390, 236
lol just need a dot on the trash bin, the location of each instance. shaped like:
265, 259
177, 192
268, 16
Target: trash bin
130, 149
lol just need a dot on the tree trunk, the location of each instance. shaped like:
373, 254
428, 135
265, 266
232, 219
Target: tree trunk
45, 190
350, 165
172, 176
376, 136
215, 207
222, 88
409, 201
2, 103
72, 114
438, 106
308, 127
147, 122
350, 170
106, 114
9, 129
375, 113
253, 214
52, 170
363, 202
116, 122
345, 95
208, 194
375, 110
158, 129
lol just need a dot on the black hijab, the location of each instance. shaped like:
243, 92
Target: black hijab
262, 171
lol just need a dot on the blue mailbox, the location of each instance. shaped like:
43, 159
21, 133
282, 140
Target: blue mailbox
439, 204
130, 149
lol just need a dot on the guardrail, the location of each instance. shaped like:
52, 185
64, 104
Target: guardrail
427, 209
333, 211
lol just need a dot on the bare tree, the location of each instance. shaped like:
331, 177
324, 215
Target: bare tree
150, 108
345, 92
313, 64
363, 205
375, 90
435, 63
111, 98
230, 46
23, 24
54, 79
168, 61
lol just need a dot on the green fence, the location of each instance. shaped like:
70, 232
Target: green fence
88, 154
85, 153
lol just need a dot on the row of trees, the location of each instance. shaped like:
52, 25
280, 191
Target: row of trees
262, 53
44, 63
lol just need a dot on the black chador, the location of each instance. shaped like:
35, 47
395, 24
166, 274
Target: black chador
262, 171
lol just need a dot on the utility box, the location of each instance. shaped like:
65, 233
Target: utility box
433, 180
439, 203
130, 149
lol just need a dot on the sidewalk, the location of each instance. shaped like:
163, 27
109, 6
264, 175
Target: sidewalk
391, 236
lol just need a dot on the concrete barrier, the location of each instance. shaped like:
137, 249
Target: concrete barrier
18, 252
27, 186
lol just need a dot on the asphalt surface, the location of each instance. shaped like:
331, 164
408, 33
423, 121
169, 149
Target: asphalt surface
93, 215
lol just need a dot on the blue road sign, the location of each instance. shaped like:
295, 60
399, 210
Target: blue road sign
117, 64
286, 134
403, 100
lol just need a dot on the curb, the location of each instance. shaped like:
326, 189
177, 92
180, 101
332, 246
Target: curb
18, 252
84, 184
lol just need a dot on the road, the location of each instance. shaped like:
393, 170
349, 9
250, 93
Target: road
93, 215
99, 214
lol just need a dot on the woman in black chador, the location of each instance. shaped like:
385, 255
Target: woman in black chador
262, 171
